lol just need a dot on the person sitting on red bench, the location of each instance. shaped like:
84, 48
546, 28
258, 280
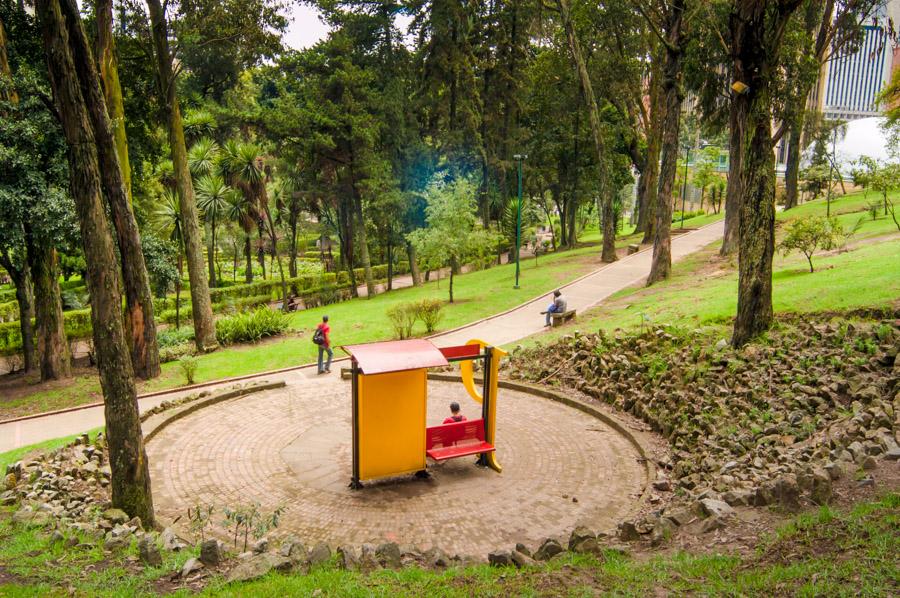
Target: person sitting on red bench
455, 415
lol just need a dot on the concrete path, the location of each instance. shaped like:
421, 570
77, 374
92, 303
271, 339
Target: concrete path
503, 328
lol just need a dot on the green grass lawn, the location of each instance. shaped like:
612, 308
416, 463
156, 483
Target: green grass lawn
703, 287
476, 294
822, 553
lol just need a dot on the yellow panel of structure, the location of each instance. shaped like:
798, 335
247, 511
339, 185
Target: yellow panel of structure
392, 423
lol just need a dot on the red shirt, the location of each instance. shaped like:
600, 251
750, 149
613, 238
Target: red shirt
326, 329
453, 419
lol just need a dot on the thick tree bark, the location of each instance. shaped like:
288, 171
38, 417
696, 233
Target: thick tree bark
204, 325
53, 347
211, 253
608, 253
413, 265
737, 118
248, 256
661, 267
21, 277
128, 460
109, 74
757, 31
792, 168
657, 116
140, 326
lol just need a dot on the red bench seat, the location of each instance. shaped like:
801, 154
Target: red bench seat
456, 440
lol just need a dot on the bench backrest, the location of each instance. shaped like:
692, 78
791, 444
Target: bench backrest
450, 434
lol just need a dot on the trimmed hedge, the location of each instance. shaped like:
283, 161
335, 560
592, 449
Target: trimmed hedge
77, 324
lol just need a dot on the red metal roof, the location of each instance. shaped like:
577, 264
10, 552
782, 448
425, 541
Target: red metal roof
396, 356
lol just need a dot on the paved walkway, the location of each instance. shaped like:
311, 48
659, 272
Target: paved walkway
291, 447
510, 326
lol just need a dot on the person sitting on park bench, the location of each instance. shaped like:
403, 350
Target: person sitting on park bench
557, 307
455, 415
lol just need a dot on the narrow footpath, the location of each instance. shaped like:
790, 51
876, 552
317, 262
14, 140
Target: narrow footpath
503, 328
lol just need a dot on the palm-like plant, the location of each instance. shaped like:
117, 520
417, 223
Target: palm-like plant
167, 220
202, 157
240, 211
213, 200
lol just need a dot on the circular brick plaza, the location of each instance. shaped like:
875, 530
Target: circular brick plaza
291, 447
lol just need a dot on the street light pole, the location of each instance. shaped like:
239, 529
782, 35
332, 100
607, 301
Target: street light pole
684, 184
519, 158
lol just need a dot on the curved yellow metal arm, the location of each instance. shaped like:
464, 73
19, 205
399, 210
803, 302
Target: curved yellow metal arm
467, 373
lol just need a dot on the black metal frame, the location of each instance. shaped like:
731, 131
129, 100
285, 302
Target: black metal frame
354, 378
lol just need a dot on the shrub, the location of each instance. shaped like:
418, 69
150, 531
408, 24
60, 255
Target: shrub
808, 235
167, 354
403, 317
172, 337
429, 311
251, 326
188, 364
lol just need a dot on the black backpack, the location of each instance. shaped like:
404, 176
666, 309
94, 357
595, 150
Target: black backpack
319, 336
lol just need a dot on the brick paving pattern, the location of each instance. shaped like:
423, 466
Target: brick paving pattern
292, 446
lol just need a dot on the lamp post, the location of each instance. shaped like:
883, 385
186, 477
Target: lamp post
687, 159
519, 158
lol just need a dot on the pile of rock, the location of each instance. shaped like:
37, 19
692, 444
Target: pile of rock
774, 422
582, 540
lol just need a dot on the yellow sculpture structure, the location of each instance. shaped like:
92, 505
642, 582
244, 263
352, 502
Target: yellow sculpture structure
390, 391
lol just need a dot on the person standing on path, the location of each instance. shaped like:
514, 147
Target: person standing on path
322, 337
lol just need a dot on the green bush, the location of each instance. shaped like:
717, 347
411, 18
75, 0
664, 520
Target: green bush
188, 364
9, 311
429, 311
167, 354
403, 317
251, 326
171, 337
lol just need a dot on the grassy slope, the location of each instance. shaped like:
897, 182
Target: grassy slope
824, 553
477, 295
703, 288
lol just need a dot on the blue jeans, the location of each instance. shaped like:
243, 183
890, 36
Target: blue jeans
322, 350
550, 310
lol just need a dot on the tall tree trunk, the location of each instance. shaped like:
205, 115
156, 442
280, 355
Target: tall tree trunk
204, 325
413, 265
211, 260
657, 116
346, 236
608, 253
139, 323
362, 235
292, 263
661, 266
248, 255
21, 277
756, 34
737, 118
451, 282
792, 167
128, 459
53, 347
109, 74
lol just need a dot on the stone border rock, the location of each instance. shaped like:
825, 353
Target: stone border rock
157, 422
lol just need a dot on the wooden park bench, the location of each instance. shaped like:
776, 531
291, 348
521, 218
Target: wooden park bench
456, 440
294, 303
558, 319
